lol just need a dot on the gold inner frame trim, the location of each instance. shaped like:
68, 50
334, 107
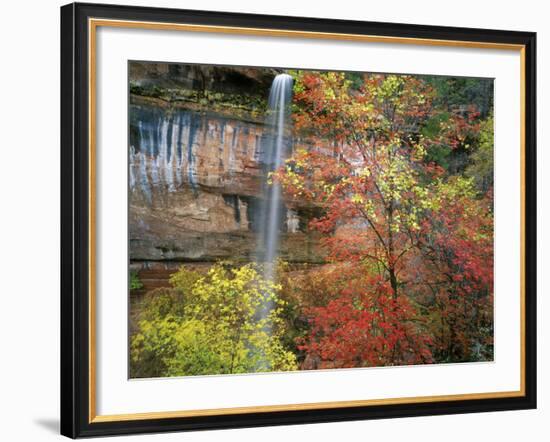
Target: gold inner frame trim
93, 24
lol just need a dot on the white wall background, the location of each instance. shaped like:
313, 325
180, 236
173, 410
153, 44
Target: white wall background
29, 226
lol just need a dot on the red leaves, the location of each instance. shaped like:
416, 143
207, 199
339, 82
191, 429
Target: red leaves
460, 129
365, 326
458, 253
418, 239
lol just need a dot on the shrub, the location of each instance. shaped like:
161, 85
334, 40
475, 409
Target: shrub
227, 321
135, 282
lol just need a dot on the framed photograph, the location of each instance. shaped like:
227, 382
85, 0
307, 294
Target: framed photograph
274, 220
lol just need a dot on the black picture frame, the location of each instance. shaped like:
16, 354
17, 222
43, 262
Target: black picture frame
75, 220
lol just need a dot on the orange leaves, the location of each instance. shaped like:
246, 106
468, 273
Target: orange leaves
460, 129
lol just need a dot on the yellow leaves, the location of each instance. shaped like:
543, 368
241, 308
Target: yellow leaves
357, 199
232, 293
230, 323
364, 172
457, 187
418, 150
329, 94
328, 188
370, 210
411, 220
391, 86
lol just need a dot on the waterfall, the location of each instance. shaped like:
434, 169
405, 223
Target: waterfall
276, 144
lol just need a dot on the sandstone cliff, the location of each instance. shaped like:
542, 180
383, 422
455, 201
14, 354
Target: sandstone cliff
195, 168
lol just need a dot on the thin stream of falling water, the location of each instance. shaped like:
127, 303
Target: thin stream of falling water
275, 147
273, 228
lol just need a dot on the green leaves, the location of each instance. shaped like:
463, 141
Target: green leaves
135, 282
481, 163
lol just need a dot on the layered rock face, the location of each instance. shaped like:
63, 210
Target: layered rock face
196, 181
188, 78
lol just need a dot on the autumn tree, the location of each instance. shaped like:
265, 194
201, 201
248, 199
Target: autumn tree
373, 183
454, 277
212, 324
364, 325
376, 186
